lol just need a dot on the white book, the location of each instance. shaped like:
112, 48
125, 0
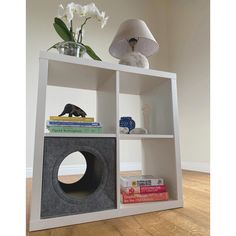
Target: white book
143, 180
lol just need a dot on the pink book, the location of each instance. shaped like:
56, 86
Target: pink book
149, 197
144, 189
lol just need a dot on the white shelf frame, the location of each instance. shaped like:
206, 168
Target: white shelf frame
105, 65
36, 223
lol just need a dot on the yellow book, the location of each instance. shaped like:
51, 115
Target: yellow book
66, 118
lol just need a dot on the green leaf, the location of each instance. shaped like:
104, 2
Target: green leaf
54, 46
62, 32
63, 28
91, 53
61, 23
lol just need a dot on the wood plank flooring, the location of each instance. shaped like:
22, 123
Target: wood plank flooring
193, 219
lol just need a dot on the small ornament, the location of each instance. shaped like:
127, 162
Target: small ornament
73, 110
146, 117
127, 121
124, 130
138, 131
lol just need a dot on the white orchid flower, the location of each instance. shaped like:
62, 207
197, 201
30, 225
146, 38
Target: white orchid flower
101, 17
79, 9
90, 10
61, 11
67, 13
70, 10
104, 21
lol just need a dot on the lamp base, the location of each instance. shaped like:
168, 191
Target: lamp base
135, 59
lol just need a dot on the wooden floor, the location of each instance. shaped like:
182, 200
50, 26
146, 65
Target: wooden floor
193, 219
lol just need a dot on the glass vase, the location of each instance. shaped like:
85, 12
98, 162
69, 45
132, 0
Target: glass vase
71, 49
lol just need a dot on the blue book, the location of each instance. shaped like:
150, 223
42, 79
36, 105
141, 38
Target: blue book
69, 123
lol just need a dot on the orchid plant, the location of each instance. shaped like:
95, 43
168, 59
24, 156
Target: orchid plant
67, 33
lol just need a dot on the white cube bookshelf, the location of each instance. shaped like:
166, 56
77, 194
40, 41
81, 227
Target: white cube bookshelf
113, 83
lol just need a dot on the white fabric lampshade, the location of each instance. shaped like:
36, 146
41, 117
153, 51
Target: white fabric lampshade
133, 28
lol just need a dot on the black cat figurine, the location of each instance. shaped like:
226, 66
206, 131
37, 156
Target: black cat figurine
73, 110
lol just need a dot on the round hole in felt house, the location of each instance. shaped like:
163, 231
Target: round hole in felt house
87, 180
72, 168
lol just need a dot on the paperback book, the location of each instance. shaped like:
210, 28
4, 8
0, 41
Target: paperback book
144, 189
66, 118
137, 198
71, 123
143, 180
73, 129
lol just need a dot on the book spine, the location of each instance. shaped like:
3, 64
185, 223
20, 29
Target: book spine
144, 189
66, 118
68, 123
142, 182
150, 197
71, 129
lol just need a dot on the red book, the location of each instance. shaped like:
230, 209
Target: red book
144, 189
149, 197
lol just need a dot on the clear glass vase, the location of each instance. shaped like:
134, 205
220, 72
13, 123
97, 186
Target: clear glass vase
71, 49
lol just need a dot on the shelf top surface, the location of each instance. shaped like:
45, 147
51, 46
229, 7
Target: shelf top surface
105, 65
106, 135
122, 136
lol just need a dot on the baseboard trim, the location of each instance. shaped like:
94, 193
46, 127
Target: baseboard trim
127, 166
130, 166
196, 166
80, 169
29, 172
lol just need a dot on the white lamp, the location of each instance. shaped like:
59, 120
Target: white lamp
133, 43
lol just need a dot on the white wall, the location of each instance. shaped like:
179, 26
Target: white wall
189, 56
182, 30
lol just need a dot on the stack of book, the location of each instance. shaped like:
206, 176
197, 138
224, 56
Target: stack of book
144, 188
62, 124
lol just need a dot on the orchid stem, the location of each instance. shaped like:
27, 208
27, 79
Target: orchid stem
71, 28
80, 36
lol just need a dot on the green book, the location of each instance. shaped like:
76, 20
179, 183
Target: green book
73, 129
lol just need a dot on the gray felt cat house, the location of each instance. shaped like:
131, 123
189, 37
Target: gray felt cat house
95, 191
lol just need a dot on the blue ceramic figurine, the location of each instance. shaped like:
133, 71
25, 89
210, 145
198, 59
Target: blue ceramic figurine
127, 121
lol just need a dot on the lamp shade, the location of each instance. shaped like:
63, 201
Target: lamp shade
133, 28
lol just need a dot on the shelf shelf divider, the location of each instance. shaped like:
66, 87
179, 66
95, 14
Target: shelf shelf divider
145, 136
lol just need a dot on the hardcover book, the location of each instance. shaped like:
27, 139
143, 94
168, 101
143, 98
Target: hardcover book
66, 118
143, 180
149, 197
144, 189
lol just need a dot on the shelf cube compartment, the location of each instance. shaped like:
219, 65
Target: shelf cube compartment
148, 100
95, 191
158, 159
152, 156
90, 88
